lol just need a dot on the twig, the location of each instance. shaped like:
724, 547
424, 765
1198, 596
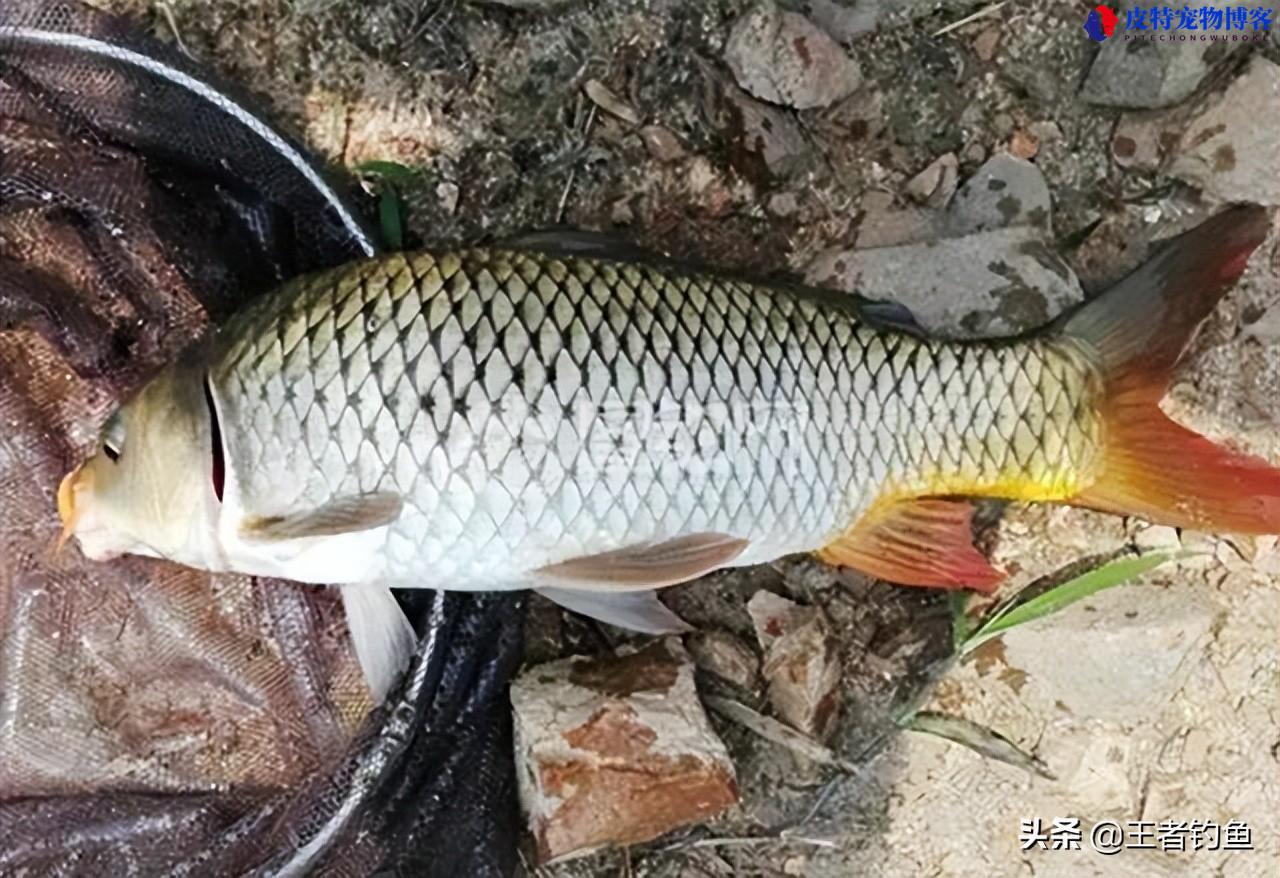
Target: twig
573, 170
981, 13
749, 841
772, 730
167, 11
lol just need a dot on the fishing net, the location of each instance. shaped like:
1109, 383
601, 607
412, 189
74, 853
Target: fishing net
154, 719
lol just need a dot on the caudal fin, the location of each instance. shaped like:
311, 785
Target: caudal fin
1153, 467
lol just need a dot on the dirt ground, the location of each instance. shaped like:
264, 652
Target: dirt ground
1154, 701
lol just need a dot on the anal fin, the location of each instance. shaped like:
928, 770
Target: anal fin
925, 541
634, 610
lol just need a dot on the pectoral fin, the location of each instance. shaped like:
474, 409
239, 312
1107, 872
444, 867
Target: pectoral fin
924, 541
383, 639
649, 565
635, 610
339, 516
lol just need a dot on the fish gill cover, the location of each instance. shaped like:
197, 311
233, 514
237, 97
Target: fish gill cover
157, 719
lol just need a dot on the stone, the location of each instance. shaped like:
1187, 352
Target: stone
615, 750
847, 19
935, 185
997, 282
1024, 144
801, 663
1005, 191
1229, 149
662, 144
1145, 75
986, 42
767, 133
1143, 140
784, 58
722, 654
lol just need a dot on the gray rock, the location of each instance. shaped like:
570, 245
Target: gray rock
1229, 150
1140, 74
724, 655
991, 283
784, 58
846, 19
801, 663
763, 130
1005, 191
935, 185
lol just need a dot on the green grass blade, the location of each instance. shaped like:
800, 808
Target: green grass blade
391, 216
391, 171
1109, 575
980, 739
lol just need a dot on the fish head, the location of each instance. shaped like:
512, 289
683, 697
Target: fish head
148, 487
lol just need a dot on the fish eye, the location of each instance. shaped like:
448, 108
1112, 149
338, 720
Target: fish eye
113, 437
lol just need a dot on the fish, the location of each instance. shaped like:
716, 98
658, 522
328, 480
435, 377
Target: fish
595, 427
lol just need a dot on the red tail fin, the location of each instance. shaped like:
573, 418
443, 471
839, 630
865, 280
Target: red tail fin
1153, 467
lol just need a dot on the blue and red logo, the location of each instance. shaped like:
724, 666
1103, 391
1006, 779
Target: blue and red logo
1101, 23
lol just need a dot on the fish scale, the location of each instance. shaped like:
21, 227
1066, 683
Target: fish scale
531, 409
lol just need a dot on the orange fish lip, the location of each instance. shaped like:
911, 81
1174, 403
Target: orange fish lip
68, 511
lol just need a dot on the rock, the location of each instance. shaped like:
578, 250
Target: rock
1024, 144
1229, 150
801, 663
846, 19
1005, 191
985, 43
374, 129
783, 204
605, 99
996, 282
784, 58
1142, 141
764, 132
615, 750
1146, 75
724, 655
884, 225
447, 192
936, 184
769, 612
662, 144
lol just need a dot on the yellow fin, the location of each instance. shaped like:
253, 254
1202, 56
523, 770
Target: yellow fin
923, 541
339, 516
650, 565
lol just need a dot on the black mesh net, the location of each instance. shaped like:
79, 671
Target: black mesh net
155, 719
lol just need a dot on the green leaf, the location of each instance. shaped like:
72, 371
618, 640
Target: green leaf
1109, 575
391, 217
978, 738
391, 171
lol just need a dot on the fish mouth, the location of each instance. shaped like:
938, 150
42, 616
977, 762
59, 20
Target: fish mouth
69, 511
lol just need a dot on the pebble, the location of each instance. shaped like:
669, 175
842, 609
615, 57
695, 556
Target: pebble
724, 655
801, 663
1147, 75
662, 144
784, 58
936, 184
985, 44
1229, 149
1005, 191
989, 283
615, 750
